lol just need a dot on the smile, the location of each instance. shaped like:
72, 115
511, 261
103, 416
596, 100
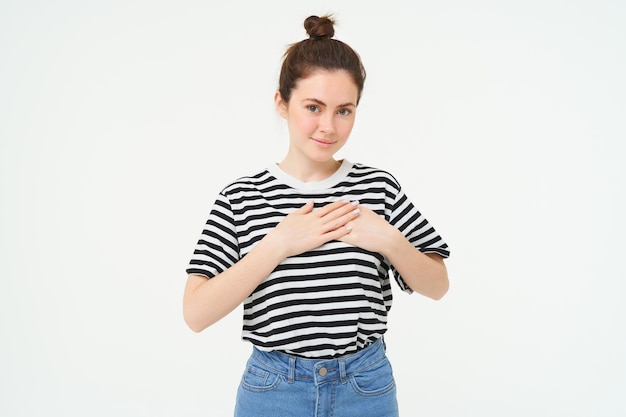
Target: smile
323, 143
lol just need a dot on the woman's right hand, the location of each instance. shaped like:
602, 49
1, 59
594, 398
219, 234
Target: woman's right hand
306, 229
208, 300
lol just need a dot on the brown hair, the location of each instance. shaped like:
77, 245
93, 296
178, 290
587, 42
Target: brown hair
320, 51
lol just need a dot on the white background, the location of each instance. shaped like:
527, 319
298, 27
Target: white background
120, 121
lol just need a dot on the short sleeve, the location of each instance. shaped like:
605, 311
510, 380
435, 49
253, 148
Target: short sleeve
416, 228
217, 249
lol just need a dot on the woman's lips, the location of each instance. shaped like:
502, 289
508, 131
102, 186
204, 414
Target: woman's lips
324, 143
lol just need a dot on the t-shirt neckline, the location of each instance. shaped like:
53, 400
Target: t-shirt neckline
324, 184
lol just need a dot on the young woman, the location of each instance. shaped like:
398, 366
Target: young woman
309, 245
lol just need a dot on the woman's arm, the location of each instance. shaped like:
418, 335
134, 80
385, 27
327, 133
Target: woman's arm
206, 301
423, 273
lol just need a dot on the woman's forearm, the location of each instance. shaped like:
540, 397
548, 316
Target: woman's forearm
423, 273
208, 300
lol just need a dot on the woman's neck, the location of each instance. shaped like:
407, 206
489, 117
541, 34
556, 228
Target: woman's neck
309, 171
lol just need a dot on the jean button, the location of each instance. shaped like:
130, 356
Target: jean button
323, 371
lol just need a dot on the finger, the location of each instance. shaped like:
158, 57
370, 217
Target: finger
337, 209
341, 221
348, 209
306, 208
338, 233
330, 207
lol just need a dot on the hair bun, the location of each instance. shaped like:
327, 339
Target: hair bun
319, 27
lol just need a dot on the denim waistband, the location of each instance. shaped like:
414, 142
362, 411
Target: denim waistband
321, 370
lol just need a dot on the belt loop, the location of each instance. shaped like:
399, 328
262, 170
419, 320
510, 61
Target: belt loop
342, 371
292, 370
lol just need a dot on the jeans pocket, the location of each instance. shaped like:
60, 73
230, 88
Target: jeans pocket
376, 380
258, 379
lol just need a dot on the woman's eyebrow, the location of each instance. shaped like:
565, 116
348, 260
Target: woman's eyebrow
321, 103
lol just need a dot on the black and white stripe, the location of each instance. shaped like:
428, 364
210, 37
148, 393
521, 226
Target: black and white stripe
326, 302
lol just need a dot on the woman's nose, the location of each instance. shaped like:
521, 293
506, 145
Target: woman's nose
327, 123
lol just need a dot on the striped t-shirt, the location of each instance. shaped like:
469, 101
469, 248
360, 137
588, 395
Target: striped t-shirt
326, 302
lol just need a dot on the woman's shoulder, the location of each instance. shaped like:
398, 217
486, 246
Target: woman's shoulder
250, 181
365, 172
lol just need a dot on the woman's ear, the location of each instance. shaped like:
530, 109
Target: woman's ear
281, 106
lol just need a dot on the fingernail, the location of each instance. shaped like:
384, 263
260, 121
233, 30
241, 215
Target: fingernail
355, 203
356, 211
345, 201
348, 228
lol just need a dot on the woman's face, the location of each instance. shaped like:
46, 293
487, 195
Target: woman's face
320, 114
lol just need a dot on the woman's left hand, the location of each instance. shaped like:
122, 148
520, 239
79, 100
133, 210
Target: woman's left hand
369, 231
424, 273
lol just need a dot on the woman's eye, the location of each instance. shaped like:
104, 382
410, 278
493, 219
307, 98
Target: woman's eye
344, 112
313, 108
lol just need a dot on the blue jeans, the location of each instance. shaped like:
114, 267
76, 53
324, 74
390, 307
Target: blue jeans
276, 384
